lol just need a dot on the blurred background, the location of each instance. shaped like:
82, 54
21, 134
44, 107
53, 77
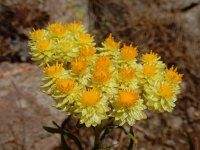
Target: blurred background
168, 27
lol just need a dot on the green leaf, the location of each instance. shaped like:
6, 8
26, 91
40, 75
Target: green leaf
51, 130
64, 144
130, 146
70, 135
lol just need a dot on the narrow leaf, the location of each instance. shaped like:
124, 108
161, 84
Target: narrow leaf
51, 130
74, 138
64, 144
130, 146
70, 135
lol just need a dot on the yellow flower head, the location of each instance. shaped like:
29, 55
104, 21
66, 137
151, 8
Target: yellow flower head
54, 71
149, 70
57, 29
79, 65
85, 38
101, 75
165, 90
149, 57
87, 51
127, 73
103, 62
111, 44
65, 85
128, 98
74, 27
121, 87
91, 97
37, 34
172, 75
43, 45
129, 52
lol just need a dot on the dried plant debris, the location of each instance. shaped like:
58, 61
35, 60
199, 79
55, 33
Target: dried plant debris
15, 22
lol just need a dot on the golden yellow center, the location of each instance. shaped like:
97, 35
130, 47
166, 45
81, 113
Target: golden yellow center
149, 57
111, 44
127, 73
129, 52
57, 29
101, 75
128, 98
172, 75
43, 45
87, 51
65, 85
37, 34
166, 91
85, 38
103, 62
90, 98
54, 71
149, 70
79, 65
74, 27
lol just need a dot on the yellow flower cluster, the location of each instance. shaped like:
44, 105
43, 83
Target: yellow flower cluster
95, 83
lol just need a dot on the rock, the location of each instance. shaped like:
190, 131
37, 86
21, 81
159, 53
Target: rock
170, 143
191, 112
24, 109
157, 147
174, 122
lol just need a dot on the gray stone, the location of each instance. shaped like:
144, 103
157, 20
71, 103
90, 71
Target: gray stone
24, 109
191, 112
174, 122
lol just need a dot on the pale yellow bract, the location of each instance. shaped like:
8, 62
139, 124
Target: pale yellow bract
96, 83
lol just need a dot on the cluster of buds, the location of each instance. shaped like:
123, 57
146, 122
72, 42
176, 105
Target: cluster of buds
96, 83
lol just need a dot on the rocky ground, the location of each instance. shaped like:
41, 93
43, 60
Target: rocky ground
24, 109
169, 27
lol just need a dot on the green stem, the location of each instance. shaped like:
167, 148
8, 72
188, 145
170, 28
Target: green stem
97, 143
98, 130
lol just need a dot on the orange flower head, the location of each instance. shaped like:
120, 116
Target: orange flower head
103, 62
149, 57
87, 51
54, 71
90, 98
74, 27
79, 65
111, 44
173, 75
129, 52
37, 34
128, 98
166, 91
57, 29
65, 85
43, 45
101, 75
149, 70
85, 38
127, 73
